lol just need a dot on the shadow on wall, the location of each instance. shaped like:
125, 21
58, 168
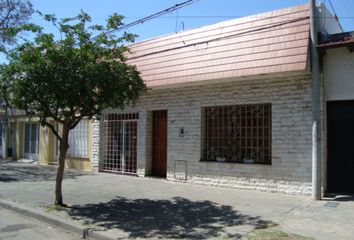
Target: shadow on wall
176, 218
16, 172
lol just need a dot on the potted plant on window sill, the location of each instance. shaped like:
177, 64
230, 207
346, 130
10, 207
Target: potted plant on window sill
248, 160
221, 158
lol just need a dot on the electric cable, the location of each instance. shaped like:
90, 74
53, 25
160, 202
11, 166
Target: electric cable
152, 16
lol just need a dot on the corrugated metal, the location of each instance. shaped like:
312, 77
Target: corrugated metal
345, 39
266, 43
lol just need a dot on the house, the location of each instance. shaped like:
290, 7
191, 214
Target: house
338, 71
230, 104
26, 139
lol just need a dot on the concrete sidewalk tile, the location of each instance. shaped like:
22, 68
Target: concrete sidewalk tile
129, 207
53, 220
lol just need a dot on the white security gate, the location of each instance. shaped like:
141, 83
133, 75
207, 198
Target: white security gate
120, 143
31, 142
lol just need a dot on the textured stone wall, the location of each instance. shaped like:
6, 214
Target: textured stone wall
95, 143
290, 98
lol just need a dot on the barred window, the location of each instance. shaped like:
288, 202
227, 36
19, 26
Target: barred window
78, 140
240, 133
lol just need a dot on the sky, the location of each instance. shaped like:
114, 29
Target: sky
200, 13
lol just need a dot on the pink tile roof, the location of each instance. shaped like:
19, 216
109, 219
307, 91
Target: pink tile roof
272, 42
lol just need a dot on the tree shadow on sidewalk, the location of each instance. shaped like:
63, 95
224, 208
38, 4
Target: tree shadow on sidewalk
33, 173
176, 218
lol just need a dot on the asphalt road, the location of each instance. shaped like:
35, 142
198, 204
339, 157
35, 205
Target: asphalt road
15, 227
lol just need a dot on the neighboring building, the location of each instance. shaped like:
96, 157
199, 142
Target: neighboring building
26, 139
3, 132
338, 75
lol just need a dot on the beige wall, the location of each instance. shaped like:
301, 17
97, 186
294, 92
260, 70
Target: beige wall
19, 139
339, 74
44, 154
78, 163
48, 156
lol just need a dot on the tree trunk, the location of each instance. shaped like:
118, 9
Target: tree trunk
63, 148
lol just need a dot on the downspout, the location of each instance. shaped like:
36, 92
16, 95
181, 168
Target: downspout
316, 126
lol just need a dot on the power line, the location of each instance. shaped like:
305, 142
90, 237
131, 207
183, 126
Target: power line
334, 11
155, 15
227, 16
239, 16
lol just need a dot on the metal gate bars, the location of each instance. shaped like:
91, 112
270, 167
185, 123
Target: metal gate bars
120, 143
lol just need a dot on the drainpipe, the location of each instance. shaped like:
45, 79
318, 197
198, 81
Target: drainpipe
316, 138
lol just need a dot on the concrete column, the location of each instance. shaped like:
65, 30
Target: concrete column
316, 138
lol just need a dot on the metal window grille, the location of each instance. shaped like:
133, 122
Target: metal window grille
78, 140
237, 133
120, 143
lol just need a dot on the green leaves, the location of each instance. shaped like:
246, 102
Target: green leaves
13, 17
73, 77
114, 21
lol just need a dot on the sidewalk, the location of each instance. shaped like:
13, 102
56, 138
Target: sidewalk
130, 207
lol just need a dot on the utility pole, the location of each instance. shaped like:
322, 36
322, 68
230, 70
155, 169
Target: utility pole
316, 126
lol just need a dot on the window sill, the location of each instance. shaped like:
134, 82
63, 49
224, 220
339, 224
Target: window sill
229, 162
77, 158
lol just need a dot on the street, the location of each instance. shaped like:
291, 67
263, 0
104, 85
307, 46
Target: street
14, 226
130, 207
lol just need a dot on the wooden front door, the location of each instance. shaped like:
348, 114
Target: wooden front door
159, 155
340, 147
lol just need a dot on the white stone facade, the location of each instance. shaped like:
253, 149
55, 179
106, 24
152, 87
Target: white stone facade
290, 98
95, 144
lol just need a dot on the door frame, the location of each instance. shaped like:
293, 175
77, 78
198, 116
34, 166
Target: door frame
55, 154
326, 126
124, 122
153, 142
103, 146
2, 139
32, 156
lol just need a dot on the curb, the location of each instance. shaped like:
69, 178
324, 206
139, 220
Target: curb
58, 222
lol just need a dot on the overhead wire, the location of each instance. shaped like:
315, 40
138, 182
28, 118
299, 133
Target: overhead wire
334, 11
152, 16
223, 17
177, 17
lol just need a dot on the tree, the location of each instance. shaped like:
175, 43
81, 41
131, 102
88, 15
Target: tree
75, 77
13, 16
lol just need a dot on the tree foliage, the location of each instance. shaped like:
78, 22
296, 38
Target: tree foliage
14, 15
70, 78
